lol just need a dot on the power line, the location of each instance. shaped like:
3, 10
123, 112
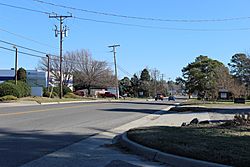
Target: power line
26, 38
65, 59
124, 71
143, 18
33, 55
133, 25
158, 27
9, 43
23, 8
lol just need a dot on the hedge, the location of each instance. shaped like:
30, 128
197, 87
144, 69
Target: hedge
66, 90
19, 90
8, 88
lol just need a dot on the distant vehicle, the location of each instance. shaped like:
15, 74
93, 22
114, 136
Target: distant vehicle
159, 97
108, 94
79, 93
171, 98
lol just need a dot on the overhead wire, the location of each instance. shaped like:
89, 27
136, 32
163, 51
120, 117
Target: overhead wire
24, 8
138, 25
124, 71
158, 27
29, 54
9, 43
142, 18
26, 38
55, 59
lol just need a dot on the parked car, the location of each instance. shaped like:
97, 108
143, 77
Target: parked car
171, 98
79, 93
159, 97
108, 94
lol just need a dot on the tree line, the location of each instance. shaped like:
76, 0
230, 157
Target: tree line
89, 73
206, 77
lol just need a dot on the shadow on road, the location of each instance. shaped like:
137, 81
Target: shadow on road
158, 103
145, 111
17, 148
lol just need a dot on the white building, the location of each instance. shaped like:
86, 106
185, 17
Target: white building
36, 79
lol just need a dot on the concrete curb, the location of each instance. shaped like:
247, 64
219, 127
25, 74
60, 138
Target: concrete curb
88, 101
72, 102
156, 155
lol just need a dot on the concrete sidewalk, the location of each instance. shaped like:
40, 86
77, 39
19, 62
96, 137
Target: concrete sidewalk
98, 150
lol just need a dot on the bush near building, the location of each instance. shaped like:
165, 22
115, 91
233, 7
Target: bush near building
23, 87
10, 88
46, 93
66, 90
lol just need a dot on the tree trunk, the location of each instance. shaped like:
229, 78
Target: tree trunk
89, 90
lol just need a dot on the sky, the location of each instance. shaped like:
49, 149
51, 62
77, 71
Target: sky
168, 44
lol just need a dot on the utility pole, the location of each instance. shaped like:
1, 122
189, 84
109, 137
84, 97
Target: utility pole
155, 81
48, 73
162, 78
116, 76
16, 61
63, 31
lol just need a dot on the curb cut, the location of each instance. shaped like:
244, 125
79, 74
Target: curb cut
155, 155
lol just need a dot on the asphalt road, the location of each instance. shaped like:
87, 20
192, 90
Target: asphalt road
28, 133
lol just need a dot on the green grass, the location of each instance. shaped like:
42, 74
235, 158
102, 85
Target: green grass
225, 145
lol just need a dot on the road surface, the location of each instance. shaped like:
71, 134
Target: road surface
28, 133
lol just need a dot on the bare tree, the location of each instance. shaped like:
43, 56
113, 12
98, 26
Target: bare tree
68, 67
91, 73
87, 72
226, 81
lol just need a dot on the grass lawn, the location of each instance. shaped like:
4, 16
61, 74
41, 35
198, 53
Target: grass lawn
214, 143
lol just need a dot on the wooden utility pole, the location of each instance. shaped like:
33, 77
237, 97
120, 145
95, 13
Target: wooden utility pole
116, 75
16, 61
63, 31
48, 73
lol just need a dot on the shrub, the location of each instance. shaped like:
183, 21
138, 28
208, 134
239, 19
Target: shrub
47, 94
66, 90
21, 74
23, 88
71, 95
8, 98
8, 88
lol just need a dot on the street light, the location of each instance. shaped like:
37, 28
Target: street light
116, 76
